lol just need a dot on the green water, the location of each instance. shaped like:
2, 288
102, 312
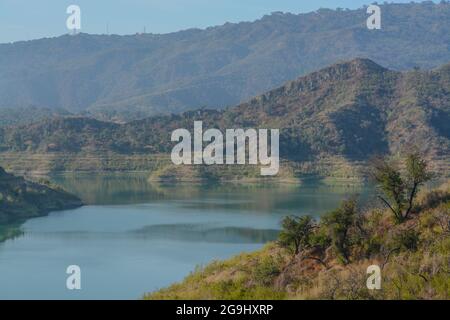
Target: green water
134, 236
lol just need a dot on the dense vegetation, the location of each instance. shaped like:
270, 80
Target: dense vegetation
21, 199
349, 110
329, 259
130, 77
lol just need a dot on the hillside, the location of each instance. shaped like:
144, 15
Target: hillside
413, 257
21, 199
132, 77
351, 110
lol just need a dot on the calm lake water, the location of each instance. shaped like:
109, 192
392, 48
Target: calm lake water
134, 236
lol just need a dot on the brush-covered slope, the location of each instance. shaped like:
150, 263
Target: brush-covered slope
21, 199
353, 109
414, 258
130, 77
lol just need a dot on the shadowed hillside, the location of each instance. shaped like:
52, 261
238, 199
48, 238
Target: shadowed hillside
354, 110
21, 199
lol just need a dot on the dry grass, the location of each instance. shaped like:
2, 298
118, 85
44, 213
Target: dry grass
414, 257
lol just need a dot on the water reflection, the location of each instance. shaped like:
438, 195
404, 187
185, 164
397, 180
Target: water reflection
136, 236
312, 197
206, 233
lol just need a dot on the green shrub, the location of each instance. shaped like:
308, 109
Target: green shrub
266, 270
407, 240
296, 233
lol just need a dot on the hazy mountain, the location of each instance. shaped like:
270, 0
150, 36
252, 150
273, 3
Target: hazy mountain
26, 115
128, 77
353, 109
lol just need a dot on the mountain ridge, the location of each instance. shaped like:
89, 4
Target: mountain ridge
353, 110
131, 77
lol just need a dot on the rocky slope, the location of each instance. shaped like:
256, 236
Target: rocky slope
351, 110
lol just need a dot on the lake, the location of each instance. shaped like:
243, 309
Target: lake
135, 236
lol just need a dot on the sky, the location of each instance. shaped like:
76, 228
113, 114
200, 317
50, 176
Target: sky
33, 19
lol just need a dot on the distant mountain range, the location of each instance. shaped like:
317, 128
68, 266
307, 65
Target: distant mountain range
353, 109
26, 115
132, 77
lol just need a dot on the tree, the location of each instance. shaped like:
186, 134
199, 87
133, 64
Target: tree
338, 224
399, 191
296, 233
417, 174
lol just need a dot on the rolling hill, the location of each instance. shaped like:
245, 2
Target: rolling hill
351, 110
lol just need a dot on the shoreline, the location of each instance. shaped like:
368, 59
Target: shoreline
273, 273
13, 229
22, 199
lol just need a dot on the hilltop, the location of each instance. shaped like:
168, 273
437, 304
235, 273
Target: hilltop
133, 77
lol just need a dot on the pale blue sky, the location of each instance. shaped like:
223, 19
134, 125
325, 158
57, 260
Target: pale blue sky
31, 19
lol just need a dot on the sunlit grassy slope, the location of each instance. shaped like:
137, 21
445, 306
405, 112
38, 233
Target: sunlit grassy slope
414, 258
